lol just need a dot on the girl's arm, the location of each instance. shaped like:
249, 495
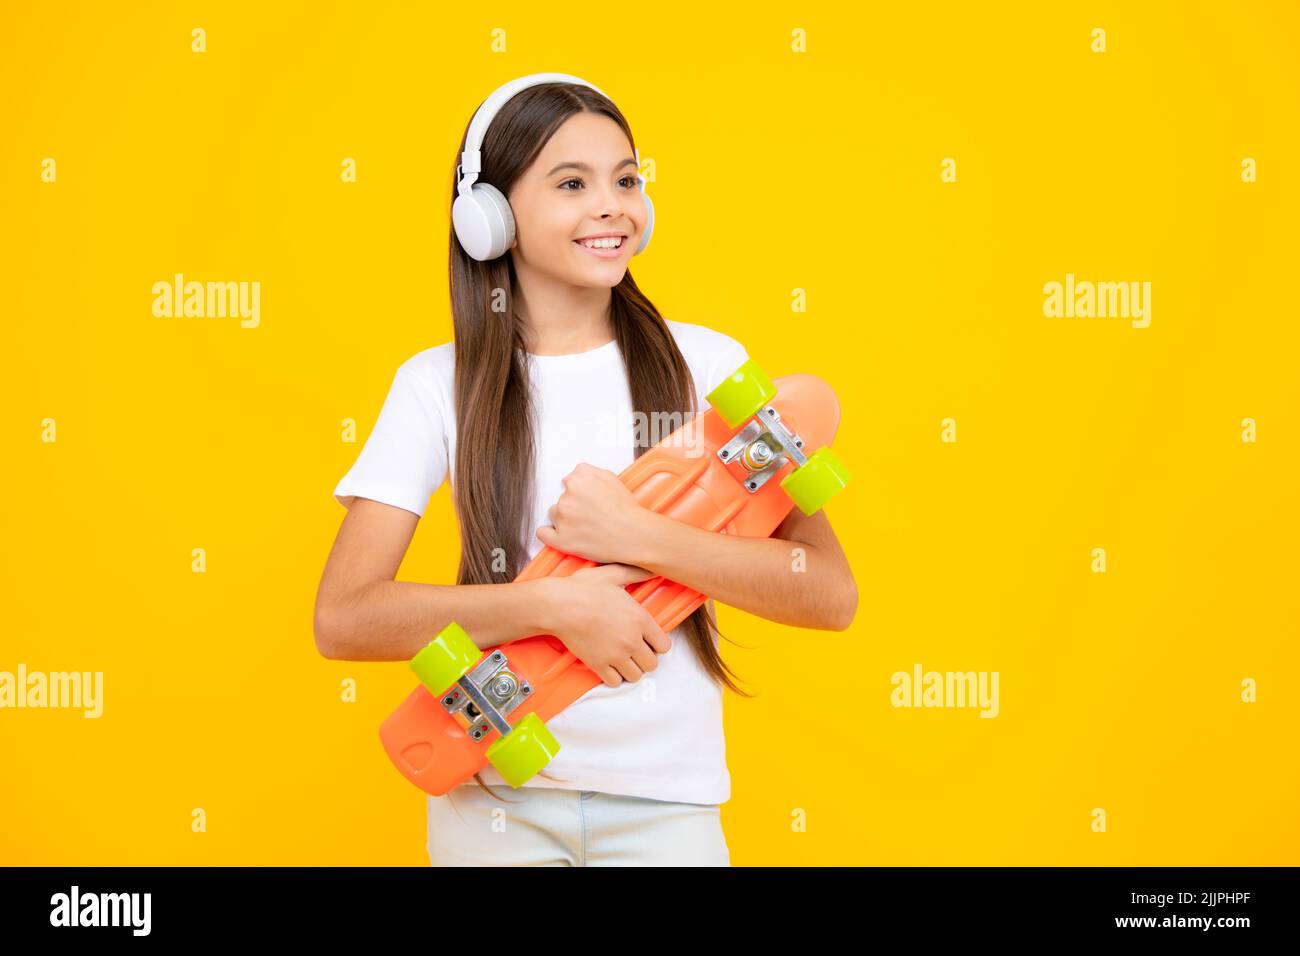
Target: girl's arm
363, 614
799, 576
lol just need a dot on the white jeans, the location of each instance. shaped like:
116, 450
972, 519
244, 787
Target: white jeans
543, 826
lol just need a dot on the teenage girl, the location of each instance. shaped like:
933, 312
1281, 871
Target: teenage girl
530, 412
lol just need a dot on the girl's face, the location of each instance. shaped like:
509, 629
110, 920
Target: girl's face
582, 184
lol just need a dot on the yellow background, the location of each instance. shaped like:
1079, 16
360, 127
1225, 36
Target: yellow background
774, 171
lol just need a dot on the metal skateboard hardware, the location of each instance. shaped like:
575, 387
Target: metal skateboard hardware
482, 698
760, 448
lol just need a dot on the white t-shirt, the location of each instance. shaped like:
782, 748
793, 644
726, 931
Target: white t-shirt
659, 737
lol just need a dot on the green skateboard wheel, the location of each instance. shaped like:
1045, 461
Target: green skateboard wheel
525, 750
817, 482
445, 659
742, 393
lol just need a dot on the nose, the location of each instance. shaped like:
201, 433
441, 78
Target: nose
609, 205
609, 200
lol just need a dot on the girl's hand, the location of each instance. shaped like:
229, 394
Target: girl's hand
596, 518
600, 622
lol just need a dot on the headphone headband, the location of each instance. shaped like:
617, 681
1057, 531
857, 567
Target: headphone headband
471, 158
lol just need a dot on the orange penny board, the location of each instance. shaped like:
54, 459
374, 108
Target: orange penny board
682, 477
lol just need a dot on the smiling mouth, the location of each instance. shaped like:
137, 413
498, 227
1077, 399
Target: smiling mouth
605, 243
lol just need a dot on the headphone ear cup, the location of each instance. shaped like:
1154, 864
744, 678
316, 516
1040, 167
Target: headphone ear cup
649, 222
484, 224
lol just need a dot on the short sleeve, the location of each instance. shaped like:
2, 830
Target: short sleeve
404, 460
728, 356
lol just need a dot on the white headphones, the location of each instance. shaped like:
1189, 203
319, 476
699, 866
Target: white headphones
481, 216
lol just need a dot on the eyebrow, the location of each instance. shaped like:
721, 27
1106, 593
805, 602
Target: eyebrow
587, 168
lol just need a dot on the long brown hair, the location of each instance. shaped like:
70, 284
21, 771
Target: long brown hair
494, 411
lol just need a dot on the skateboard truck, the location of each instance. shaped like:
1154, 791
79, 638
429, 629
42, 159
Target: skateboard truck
758, 450
481, 699
478, 694
764, 444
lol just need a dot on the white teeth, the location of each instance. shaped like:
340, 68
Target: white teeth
613, 242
